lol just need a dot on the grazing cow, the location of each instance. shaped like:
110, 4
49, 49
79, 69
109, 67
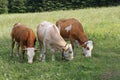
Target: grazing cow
25, 38
72, 29
49, 35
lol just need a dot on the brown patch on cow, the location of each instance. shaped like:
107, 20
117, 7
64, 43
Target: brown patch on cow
109, 74
84, 45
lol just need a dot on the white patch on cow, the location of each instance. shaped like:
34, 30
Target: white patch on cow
68, 28
87, 52
69, 53
30, 54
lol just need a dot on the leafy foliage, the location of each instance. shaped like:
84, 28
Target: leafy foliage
3, 6
22, 6
17, 6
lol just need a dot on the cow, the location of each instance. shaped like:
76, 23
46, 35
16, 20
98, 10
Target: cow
49, 36
71, 29
25, 39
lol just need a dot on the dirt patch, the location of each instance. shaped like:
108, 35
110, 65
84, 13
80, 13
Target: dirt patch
109, 74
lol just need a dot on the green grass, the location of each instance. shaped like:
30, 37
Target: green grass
102, 25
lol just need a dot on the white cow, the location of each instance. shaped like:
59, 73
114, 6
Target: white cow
49, 35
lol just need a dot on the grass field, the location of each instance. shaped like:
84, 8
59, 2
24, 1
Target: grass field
102, 25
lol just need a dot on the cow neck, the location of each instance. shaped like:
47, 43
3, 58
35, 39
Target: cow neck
82, 39
61, 42
64, 47
30, 43
82, 43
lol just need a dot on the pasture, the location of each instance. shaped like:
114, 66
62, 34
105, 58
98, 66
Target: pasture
102, 25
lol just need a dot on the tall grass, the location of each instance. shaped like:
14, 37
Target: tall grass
102, 25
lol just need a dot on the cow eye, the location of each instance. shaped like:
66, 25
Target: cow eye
70, 51
87, 48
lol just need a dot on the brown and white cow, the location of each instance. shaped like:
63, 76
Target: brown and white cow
72, 29
25, 38
49, 35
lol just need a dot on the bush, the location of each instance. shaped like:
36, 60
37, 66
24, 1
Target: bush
3, 6
22, 6
17, 6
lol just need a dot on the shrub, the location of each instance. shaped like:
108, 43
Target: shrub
17, 6
3, 6
22, 6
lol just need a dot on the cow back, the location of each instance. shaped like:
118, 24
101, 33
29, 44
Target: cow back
75, 29
22, 33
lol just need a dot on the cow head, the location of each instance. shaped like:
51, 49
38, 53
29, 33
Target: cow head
68, 53
87, 50
30, 54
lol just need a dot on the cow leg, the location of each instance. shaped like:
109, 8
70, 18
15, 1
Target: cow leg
76, 47
53, 55
43, 54
40, 44
63, 55
23, 51
72, 41
12, 45
18, 46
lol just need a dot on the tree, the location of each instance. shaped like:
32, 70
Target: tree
17, 6
3, 6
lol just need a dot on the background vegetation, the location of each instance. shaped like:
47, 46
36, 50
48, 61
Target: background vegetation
22, 6
102, 25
